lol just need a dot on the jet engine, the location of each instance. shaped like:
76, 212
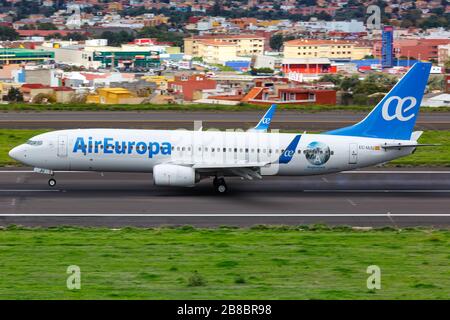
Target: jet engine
174, 175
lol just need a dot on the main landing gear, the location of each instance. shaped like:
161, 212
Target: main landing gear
52, 182
219, 185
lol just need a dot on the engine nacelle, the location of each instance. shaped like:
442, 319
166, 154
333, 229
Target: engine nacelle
174, 175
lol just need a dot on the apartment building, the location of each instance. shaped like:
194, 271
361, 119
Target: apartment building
246, 44
217, 51
332, 49
420, 49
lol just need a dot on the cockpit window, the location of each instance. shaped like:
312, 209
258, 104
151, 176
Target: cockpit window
34, 142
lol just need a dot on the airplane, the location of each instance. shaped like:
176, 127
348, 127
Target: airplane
181, 158
264, 124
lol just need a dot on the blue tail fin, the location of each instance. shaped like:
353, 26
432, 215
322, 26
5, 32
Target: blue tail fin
287, 154
394, 117
264, 123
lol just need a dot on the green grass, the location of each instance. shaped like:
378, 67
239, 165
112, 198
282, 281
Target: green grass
425, 156
9, 138
429, 156
187, 107
224, 263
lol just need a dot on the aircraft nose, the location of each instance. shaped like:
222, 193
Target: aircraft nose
17, 153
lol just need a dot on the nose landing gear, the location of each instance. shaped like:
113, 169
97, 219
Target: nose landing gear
52, 182
219, 185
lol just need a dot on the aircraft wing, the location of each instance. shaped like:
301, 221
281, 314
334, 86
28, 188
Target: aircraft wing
229, 166
245, 170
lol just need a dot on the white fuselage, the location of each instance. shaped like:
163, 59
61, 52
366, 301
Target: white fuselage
87, 150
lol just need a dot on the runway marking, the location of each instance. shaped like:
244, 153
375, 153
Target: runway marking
134, 215
6, 120
389, 215
342, 172
378, 191
30, 190
351, 202
393, 171
308, 191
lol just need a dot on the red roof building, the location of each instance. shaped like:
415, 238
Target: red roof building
420, 49
286, 96
190, 87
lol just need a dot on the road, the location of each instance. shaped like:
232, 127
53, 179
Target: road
374, 198
284, 119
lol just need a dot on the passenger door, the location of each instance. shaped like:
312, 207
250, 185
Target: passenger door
62, 146
353, 153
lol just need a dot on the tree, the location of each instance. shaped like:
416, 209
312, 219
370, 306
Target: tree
41, 98
117, 38
75, 36
276, 42
46, 26
447, 64
7, 33
162, 34
216, 9
14, 95
336, 79
349, 83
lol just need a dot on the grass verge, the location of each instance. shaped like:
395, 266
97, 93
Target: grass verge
425, 156
189, 107
225, 263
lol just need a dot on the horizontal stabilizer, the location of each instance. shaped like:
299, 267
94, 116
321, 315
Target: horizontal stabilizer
398, 146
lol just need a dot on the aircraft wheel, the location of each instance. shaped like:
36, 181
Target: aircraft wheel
52, 182
220, 185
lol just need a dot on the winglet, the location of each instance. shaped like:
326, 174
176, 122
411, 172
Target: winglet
416, 135
264, 123
287, 154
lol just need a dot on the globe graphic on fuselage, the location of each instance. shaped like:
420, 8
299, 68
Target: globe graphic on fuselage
317, 153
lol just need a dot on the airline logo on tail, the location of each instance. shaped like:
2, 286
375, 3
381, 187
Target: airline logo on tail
395, 116
264, 123
403, 106
288, 154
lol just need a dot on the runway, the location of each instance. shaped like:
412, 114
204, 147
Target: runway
369, 198
283, 119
